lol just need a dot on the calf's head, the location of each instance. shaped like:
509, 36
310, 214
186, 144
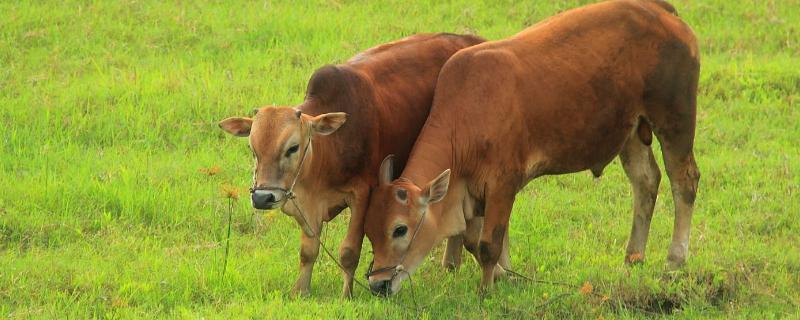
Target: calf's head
278, 139
397, 211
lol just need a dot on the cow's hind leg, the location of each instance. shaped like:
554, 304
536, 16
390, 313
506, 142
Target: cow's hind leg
683, 177
676, 135
642, 171
675, 126
671, 105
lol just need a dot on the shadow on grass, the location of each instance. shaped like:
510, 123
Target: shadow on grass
674, 290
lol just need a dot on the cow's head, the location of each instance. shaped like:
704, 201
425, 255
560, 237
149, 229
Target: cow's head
278, 139
396, 210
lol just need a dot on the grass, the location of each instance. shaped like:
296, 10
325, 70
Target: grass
114, 175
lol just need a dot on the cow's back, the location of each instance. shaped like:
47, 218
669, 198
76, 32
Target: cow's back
387, 93
557, 97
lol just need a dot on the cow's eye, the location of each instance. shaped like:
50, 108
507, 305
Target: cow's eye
292, 150
399, 231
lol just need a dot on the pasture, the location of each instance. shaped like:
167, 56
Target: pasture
115, 181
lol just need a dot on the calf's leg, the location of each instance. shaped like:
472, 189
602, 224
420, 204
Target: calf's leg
350, 249
309, 250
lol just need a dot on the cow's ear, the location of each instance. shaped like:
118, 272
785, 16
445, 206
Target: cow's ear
326, 124
239, 127
386, 172
436, 189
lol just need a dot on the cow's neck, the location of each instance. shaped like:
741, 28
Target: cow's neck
432, 155
322, 169
316, 187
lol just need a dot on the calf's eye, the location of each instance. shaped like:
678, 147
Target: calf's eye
292, 150
399, 231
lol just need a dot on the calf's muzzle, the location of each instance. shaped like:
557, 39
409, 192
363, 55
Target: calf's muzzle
265, 199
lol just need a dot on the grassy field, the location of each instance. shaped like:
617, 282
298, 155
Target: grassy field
112, 168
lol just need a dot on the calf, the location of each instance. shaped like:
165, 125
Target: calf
566, 95
326, 151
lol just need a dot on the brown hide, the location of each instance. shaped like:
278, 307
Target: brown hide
562, 96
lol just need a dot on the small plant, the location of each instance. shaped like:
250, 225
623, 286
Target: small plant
232, 194
211, 171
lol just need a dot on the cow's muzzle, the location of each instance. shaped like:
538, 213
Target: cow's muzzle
266, 199
381, 288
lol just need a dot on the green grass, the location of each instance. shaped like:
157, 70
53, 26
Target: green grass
109, 112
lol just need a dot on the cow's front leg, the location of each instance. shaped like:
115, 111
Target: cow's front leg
309, 250
350, 250
504, 262
451, 259
493, 234
472, 236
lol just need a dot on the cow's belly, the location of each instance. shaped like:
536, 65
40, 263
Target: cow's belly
576, 148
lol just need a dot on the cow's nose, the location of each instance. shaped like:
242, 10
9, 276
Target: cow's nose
263, 199
381, 287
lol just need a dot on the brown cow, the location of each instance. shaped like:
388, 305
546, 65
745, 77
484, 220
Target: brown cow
384, 94
566, 95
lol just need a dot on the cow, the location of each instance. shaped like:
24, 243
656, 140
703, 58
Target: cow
324, 154
565, 95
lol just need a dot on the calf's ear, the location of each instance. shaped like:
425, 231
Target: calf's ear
327, 123
386, 172
239, 127
436, 189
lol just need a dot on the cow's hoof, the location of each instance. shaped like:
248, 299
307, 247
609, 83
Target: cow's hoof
500, 273
301, 292
347, 294
449, 266
634, 259
485, 287
483, 291
675, 263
